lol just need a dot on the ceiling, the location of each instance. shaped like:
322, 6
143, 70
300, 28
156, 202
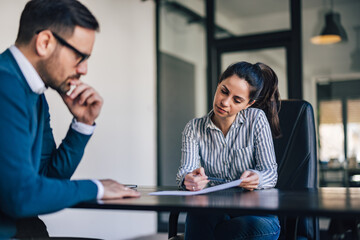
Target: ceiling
246, 8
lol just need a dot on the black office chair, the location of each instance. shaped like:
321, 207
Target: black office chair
297, 166
297, 162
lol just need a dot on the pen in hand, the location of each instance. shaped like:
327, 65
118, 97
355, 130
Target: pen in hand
196, 180
216, 179
213, 179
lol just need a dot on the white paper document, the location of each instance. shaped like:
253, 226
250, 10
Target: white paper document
205, 190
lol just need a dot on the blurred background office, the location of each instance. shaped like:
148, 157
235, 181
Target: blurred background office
156, 64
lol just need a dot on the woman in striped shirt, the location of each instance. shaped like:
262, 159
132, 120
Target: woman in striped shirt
234, 141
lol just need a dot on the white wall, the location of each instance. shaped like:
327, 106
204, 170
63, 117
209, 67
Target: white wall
123, 147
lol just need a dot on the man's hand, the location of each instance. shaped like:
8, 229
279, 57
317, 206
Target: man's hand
84, 102
113, 190
250, 180
196, 180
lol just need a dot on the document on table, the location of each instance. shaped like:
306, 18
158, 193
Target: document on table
205, 190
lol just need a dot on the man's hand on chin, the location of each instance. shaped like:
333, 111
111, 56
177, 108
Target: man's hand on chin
83, 102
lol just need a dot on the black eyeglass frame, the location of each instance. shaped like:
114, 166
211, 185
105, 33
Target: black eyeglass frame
62, 41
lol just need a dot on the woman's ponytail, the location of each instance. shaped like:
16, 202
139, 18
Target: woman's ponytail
269, 98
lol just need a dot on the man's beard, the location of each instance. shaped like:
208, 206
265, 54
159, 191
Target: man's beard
48, 70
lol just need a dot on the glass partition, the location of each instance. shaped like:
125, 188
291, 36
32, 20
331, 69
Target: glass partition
181, 83
353, 141
339, 133
331, 133
353, 132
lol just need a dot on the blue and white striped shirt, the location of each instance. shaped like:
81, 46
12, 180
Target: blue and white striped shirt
248, 145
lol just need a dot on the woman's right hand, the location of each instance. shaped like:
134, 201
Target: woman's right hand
196, 180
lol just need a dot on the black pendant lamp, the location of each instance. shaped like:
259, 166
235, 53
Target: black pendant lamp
333, 31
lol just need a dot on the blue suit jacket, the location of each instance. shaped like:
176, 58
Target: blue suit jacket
34, 174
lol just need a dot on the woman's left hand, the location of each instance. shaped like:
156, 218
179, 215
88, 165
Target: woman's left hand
250, 180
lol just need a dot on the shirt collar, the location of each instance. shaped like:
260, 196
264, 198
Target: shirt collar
240, 118
32, 77
209, 124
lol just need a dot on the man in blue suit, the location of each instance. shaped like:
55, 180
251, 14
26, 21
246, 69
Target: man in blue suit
54, 41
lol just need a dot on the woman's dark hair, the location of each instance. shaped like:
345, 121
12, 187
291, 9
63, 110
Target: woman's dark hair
59, 16
263, 89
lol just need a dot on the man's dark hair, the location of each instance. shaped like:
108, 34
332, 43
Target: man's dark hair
59, 16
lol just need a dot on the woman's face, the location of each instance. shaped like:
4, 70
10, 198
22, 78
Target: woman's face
232, 96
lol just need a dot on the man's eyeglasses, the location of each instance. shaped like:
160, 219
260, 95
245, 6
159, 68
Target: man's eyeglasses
68, 45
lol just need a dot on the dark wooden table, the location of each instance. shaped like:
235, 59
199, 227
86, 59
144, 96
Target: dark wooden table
323, 202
